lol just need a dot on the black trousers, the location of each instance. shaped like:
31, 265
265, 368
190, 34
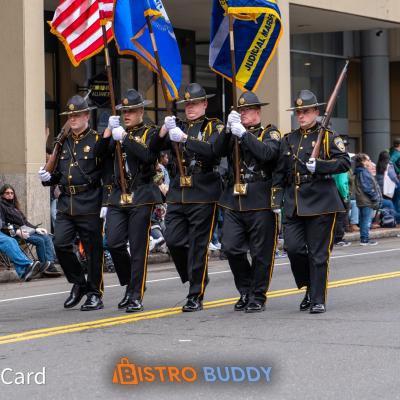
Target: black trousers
90, 230
189, 229
130, 224
258, 232
308, 242
340, 227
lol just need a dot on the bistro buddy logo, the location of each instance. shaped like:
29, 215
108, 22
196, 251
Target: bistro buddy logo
127, 373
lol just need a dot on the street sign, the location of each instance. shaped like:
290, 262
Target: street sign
100, 90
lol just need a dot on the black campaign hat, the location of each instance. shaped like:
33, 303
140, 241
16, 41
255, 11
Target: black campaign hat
305, 99
249, 99
132, 99
77, 104
194, 92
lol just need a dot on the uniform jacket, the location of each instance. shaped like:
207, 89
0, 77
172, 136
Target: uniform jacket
259, 150
198, 159
303, 193
141, 169
89, 150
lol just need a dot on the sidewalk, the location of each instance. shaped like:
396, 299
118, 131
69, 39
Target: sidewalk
159, 258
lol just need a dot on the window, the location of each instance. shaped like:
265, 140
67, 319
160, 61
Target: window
319, 74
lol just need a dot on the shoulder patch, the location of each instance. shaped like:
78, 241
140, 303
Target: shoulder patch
339, 144
219, 127
276, 135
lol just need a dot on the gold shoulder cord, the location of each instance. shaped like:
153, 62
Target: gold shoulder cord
144, 137
326, 145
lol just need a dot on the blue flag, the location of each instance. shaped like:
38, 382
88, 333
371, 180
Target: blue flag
132, 37
257, 29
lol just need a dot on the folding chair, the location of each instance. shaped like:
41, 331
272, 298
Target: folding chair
5, 262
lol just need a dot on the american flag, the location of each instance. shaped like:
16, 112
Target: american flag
77, 23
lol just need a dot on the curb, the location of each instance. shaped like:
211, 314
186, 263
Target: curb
162, 258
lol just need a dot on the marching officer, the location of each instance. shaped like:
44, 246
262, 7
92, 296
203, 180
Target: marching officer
310, 199
128, 218
78, 175
249, 222
193, 195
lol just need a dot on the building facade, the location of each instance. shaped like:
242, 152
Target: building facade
319, 36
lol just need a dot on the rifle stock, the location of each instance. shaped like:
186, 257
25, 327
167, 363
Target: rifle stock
51, 164
329, 110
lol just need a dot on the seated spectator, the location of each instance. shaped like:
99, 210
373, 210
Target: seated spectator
157, 228
368, 196
385, 171
25, 268
28, 232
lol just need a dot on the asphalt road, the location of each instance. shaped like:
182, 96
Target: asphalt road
351, 352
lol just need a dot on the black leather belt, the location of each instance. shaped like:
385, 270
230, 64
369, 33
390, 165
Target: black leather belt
306, 178
198, 169
75, 189
250, 178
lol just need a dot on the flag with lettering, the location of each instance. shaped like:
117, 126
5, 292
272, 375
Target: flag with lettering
257, 29
78, 25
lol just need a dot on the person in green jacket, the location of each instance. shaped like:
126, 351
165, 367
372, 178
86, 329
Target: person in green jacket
342, 184
395, 155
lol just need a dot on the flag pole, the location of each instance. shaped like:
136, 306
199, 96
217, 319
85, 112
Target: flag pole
238, 188
184, 180
126, 198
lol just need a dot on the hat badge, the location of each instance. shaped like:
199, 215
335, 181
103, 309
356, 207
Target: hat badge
299, 102
125, 101
242, 101
71, 107
187, 95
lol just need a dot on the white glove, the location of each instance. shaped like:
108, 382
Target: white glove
44, 176
234, 117
118, 133
41, 231
170, 122
311, 165
103, 212
238, 129
113, 122
177, 135
22, 234
276, 210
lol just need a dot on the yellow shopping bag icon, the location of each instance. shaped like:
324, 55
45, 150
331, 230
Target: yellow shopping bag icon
125, 373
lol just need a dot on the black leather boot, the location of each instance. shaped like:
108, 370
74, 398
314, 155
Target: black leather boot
74, 298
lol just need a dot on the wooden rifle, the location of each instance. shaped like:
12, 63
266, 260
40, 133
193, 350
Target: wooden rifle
328, 112
52, 162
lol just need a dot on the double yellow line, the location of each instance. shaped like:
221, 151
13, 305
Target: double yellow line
103, 323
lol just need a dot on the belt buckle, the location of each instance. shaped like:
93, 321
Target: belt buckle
240, 189
72, 190
185, 180
126, 198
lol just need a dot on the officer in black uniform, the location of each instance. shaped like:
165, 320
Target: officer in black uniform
129, 218
78, 175
310, 199
192, 198
249, 222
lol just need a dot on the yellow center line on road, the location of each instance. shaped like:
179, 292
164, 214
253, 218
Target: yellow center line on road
113, 321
